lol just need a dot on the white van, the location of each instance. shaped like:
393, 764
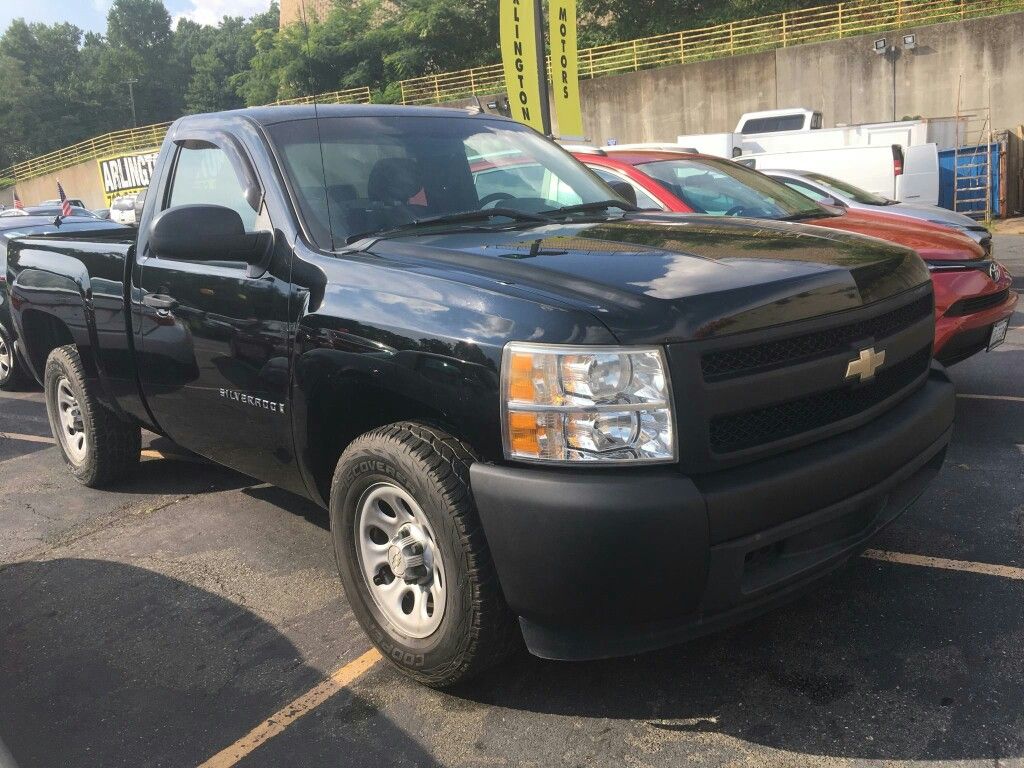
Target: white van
907, 174
122, 210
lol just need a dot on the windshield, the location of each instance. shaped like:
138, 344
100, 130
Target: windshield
854, 193
725, 188
381, 173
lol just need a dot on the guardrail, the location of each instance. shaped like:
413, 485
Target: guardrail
114, 143
145, 137
780, 30
350, 96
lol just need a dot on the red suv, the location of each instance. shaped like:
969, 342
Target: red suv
973, 298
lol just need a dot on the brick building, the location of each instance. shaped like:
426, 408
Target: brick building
292, 10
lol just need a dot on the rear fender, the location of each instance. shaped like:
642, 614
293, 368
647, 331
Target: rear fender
51, 305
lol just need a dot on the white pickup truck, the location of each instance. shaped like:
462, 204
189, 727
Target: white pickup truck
907, 174
893, 159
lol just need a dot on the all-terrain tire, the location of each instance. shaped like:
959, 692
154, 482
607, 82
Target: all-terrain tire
477, 630
112, 446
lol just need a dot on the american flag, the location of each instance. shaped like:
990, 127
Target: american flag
17, 202
65, 205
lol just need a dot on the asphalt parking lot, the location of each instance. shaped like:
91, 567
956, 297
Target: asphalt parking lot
192, 617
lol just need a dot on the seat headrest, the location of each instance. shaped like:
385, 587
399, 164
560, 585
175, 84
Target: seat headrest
394, 180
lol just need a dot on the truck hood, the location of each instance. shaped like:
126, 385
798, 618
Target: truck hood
653, 278
932, 242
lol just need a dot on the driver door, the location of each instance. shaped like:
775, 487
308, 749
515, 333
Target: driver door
213, 338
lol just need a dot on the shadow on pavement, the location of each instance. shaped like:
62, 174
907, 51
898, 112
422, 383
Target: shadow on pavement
171, 476
104, 664
291, 503
883, 662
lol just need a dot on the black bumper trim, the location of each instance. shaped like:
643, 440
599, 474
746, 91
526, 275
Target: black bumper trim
587, 559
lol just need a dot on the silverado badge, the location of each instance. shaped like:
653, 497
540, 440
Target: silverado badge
866, 364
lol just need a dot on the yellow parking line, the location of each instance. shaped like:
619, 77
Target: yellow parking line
288, 714
152, 453
1008, 398
985, 569
26, 438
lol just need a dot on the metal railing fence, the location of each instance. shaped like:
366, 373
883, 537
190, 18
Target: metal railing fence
144, 137
779, 30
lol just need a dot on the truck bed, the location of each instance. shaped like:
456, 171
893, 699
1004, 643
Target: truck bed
71, 288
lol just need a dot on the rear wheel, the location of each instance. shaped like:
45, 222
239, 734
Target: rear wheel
11, 374
412, 554
96, 445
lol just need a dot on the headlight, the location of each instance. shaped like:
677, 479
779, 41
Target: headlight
586, 404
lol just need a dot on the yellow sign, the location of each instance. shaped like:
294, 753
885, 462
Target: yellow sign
564, 68
518, 26
126, 175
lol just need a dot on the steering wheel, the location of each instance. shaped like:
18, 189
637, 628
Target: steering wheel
495, 197
736, 210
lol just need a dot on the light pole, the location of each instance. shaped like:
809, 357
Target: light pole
131, 98
892, 53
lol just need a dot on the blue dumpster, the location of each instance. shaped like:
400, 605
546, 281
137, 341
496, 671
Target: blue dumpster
972, 179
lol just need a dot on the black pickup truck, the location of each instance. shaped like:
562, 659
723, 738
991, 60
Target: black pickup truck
534, 413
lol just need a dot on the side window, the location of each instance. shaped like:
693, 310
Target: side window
205, 176
513, 173
807, 191
773, 124
515, 181
644, 201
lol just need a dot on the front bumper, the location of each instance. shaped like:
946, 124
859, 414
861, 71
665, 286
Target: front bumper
959, 336
612, 562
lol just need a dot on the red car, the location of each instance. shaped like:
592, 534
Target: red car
973, 297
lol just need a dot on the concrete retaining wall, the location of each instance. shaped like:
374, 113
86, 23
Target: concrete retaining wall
82, 181
843, 78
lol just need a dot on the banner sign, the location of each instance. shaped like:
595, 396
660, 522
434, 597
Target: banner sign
565, 68
126, 174
518, 27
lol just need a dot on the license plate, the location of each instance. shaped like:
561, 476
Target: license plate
998, 333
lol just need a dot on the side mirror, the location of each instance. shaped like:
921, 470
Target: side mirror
205, 233
624, 190
831, 201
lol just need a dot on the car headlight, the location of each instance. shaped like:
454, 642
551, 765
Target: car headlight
566, 404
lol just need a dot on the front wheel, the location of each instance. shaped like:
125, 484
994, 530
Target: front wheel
96, 445
412, 554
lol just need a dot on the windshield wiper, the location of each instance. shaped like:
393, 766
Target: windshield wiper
600, 205
454, 218
807, 215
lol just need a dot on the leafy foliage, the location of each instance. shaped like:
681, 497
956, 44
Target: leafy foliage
62, 86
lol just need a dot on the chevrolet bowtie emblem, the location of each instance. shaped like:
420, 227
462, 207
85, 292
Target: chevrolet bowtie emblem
865, 366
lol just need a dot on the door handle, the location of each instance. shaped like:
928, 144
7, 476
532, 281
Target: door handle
159, 301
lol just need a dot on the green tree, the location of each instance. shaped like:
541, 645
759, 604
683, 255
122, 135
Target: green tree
40, 101
218, 69
139, 47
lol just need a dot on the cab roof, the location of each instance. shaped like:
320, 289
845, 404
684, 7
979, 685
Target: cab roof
289, 113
